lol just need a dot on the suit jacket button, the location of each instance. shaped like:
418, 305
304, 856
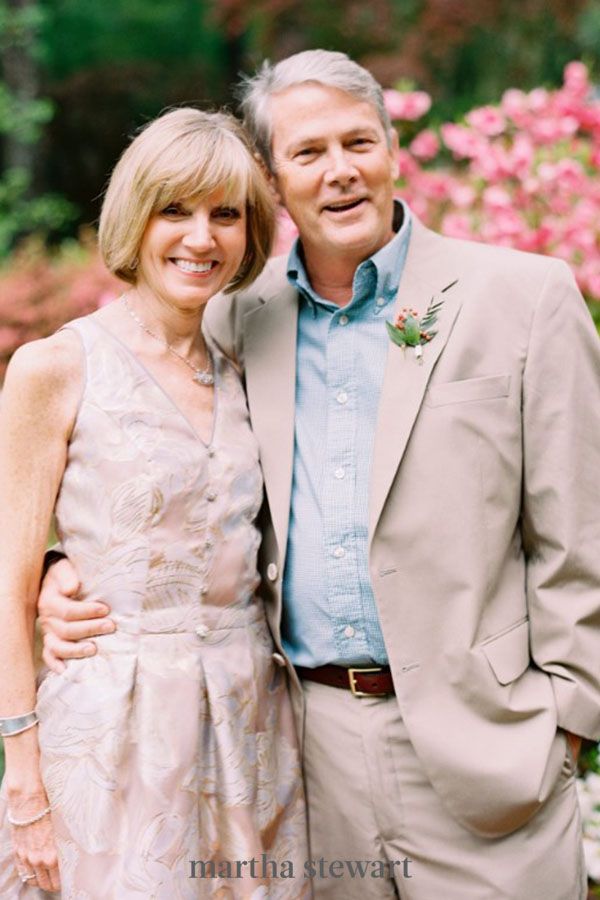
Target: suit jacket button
272, 572
278, 658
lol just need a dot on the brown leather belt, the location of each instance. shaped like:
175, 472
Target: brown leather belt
375, 682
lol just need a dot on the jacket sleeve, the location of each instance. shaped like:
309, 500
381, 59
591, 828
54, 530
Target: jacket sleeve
561, 499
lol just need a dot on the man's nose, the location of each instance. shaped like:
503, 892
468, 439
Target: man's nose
199, 234
340, 167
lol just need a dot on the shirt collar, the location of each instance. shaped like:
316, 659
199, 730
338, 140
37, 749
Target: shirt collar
382, 271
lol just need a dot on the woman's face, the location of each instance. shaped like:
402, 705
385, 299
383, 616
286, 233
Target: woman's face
191, 250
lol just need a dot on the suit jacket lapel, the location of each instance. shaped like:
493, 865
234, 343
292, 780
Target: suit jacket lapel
270, 353
429, 272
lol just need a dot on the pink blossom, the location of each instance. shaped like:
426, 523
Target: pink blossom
425, 145
576, 78
497, 198
406, 105
457, 225
538, 99
407, 166
463, 142
462, 195
488, 120
515, 106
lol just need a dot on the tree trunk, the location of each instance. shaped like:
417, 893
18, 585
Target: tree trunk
21, 78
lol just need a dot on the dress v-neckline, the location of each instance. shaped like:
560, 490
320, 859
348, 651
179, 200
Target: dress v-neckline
150, 376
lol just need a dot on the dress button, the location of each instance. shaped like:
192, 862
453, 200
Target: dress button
278, 658
210, 496
202, 631
343, 320
272, 572
348, 631
339, 552
342, 397
339, 473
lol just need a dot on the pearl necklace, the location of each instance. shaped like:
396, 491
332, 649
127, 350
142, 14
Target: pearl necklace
200, 376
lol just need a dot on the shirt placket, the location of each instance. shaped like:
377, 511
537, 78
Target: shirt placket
339, 487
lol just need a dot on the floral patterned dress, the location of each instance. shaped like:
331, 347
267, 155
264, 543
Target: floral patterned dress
169, 758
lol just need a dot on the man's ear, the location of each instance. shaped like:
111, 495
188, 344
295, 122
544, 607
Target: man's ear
394, 151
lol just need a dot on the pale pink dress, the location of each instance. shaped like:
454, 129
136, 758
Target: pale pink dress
176, 742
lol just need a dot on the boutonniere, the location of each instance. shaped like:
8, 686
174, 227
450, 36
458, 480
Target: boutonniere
410, 331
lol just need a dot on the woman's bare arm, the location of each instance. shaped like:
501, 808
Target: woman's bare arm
37, 411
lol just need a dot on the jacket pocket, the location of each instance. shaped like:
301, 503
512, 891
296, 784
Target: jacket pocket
508, 652
489, 387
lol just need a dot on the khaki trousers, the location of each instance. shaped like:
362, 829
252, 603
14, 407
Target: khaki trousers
378, 829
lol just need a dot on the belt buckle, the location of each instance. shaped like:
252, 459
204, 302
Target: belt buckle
352, 682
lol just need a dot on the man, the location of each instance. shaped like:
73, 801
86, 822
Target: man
431, 545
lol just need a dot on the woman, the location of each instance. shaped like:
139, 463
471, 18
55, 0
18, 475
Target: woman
170, 755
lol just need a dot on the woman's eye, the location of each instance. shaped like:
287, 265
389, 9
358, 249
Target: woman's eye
228, 213
173, 209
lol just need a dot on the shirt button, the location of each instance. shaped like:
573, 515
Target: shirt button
202, 631
272, 572
348, 631
339, 473
211, 452
380, 301
339, 552
342, 397
211, 496
343, 320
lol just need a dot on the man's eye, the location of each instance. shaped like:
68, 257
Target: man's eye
361, 142
306, 152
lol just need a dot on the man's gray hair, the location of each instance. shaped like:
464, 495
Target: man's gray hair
325, 67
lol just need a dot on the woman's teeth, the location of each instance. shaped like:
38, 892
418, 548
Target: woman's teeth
186, 265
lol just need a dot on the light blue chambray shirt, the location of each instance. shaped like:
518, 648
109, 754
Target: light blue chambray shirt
329, 612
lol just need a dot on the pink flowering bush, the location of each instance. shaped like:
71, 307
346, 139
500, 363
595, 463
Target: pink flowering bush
39, 292
524, 173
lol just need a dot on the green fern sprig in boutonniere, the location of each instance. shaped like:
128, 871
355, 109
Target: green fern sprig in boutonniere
411, 331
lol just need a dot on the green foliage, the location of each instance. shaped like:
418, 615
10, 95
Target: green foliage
24, 120
21, 213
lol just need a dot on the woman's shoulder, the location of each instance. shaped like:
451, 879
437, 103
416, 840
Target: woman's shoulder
47, 373
55, 359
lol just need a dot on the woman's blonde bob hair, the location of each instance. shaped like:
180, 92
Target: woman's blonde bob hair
185, 154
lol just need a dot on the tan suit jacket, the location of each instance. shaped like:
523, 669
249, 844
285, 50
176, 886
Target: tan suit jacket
484, 545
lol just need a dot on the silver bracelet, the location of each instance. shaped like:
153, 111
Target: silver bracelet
21, 823
17, 724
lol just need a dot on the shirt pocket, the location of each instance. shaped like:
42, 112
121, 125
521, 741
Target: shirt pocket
490, 387
508, 652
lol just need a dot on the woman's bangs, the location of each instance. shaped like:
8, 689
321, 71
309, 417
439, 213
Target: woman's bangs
193, 175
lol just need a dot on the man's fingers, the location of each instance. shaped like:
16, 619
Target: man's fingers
56, 650
59, 608
63, 577
51, 662
79, 630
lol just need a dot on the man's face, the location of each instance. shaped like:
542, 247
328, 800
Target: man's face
333, 170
